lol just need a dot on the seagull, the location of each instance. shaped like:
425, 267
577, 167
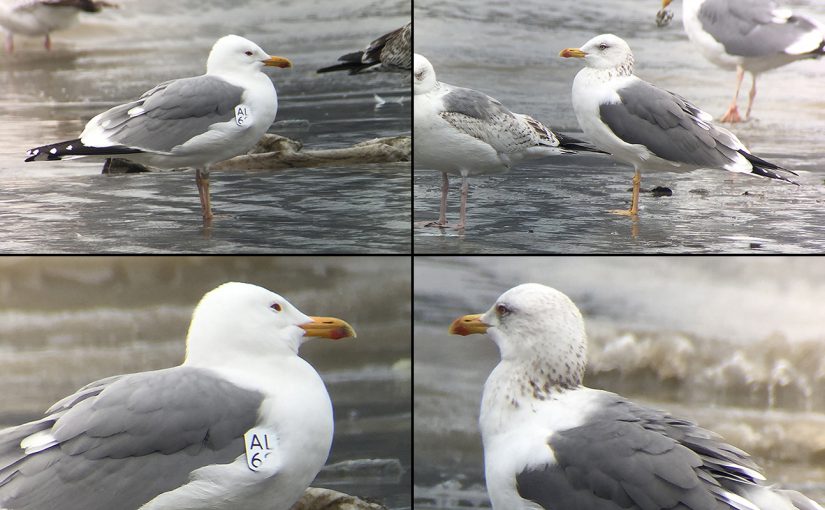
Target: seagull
187, 122
41, 17
390, 52
750, 35
466, 132
243, 423
551, 443
647, 127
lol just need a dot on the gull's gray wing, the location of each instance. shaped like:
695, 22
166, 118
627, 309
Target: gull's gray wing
121, 441
170, 114
749, 28
674, 129
627, 457
669, 126
478, 115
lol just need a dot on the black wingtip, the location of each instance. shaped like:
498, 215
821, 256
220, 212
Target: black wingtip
351, 62
764, 172
73, 148
766, 168
574, 144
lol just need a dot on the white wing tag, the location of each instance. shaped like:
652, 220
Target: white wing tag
260, 445
241, 114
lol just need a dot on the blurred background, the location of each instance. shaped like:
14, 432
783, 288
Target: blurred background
736, 344
67, 321
114, 56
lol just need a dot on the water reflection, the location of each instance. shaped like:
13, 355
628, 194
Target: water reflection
117, 55
559, 204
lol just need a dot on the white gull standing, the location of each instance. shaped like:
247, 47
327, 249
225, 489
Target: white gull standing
648, 127
551, 443
42, 17
189, 122
243, 424
465, 132
749, 35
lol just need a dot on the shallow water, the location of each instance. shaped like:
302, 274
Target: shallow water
67, 322
112, 57
560, 204
735, 344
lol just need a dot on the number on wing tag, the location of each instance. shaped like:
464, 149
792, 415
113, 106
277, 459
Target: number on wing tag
259, 445
241, 114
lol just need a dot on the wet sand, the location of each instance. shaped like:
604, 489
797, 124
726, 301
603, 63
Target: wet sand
67, 206
560, 204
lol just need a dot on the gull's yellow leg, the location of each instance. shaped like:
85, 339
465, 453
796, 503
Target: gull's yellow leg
634, 199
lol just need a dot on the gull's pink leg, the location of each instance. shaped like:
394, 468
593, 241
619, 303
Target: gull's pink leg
751, 96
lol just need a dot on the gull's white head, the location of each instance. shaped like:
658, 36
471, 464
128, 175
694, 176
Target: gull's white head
233, 54
423, 75
244, 319
534, 325
605, 51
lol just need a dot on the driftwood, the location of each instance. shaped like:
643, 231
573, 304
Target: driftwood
275, 152
326, 499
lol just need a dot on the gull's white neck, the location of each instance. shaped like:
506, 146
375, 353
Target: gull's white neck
515, 388
209, 348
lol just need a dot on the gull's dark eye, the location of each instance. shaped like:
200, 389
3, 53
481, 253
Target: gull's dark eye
502, 310
276, 307
603, 46
248, 53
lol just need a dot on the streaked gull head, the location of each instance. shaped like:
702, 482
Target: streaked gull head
535, 325
605, 51
423, 75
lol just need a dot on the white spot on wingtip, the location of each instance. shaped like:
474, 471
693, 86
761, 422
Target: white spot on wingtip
53, 150
69, 147
38, 442
781, 15
137, 110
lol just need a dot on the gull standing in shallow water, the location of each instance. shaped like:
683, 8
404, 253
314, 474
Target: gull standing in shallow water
647, 127
190, 122
466, 132
243, 424
551, 443
749, 35
41, 17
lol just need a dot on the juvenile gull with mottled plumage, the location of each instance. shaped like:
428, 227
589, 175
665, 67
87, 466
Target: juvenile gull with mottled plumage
190, 122
466, 132
552, 444
390, 52
648, 127
185, 437
750, 35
